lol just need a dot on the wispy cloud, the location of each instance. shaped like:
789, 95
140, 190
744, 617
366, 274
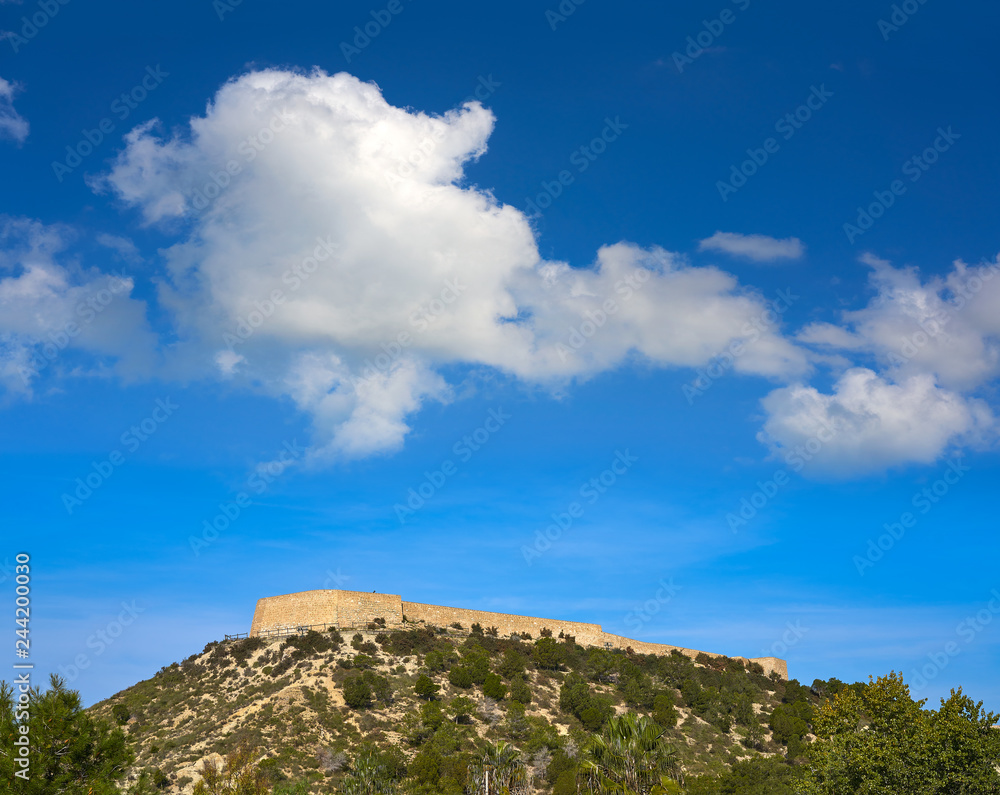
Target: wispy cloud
759, 248
12, 124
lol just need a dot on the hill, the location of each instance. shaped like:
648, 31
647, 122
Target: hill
427, 699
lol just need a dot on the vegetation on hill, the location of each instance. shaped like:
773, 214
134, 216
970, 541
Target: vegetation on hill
423, 711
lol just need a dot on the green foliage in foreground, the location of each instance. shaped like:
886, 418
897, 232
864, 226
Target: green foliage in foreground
68, 752
879, 740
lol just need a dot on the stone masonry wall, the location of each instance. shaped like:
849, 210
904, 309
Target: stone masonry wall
348, 609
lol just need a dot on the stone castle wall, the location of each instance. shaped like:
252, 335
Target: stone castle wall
351, 609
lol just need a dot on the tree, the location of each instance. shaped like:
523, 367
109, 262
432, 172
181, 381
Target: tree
460, 676
519, 691
357, 693
477, 661
426, 767
629, 757
498, 770
516, 724
359, 690
548, 653
494, 687
238, 775
67, 751
121, 714
966, 747
511, 665
434, 660
877, 739
431, 714
425, 687
461, 707
372, 773
664, 712
575, 697
759, 776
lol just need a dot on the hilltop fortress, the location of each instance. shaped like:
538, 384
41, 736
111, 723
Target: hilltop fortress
355, 610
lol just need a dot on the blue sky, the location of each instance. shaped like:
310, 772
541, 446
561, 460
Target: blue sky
262, 269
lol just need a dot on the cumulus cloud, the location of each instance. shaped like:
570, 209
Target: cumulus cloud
759, 248
935, 343
869, 424
948, 326
52, 310
332, 251
12, 124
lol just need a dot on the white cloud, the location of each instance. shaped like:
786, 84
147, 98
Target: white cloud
869, 424
12, 124
948, 326
50, 310
321, 223
122, 246
759, 248
935, 344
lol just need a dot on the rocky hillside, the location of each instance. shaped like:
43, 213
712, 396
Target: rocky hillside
426, 698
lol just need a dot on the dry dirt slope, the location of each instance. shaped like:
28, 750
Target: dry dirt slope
288, 700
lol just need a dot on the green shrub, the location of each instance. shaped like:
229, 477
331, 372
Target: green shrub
121, 714
664, 711
357, 693
460, 676
425, 687
434, 660
512, 664
519, 691
494, 688
548, 653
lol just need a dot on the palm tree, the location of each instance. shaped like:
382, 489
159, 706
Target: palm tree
499, 771
369, 775
629, 757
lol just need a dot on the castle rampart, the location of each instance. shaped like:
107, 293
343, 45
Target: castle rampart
355, 609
